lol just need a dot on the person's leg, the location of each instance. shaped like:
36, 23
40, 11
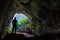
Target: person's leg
13, 29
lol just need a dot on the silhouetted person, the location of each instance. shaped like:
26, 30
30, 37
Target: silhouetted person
14, 23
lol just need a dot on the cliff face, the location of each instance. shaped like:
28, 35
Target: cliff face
45, 14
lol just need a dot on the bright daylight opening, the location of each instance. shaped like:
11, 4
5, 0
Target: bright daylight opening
23, 23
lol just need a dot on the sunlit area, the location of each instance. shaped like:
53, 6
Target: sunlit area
24, 24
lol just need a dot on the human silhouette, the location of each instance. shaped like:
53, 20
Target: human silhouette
14, 23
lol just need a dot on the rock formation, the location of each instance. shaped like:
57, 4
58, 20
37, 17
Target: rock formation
44, 13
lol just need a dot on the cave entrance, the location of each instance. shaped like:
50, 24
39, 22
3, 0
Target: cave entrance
23, 22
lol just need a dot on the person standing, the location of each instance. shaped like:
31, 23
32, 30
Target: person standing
14, 23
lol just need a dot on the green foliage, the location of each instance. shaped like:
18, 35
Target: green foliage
32, 25
23, 21
9, 29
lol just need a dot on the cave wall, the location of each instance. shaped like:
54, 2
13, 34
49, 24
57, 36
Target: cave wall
44, 13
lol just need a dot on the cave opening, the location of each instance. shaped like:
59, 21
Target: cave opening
23, 21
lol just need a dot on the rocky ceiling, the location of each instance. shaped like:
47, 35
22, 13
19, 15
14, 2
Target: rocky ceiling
44, 13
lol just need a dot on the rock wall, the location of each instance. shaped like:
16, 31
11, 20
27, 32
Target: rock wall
44, 13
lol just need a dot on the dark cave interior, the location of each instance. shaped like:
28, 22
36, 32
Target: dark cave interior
45, 15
